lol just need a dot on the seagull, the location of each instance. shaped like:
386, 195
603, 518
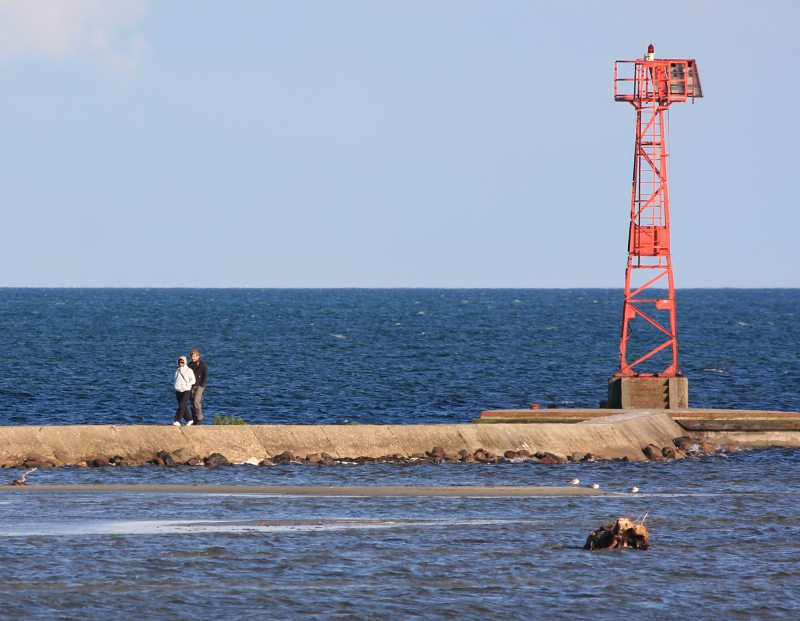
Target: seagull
574, 481
634, 489
595, 486
22, 481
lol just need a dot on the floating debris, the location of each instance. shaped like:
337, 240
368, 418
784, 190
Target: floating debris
621, 533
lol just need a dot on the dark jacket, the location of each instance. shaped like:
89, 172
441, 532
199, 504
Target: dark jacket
200, 372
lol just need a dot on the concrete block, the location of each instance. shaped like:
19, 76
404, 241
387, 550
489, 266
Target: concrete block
650, 393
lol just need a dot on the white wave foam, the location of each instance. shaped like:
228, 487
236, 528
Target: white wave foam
173, 527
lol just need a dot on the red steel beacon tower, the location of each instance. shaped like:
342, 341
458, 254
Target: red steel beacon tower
648, 375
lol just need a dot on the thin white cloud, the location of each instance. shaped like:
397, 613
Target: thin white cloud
61, 30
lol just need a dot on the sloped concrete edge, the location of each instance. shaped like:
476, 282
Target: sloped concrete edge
612, 437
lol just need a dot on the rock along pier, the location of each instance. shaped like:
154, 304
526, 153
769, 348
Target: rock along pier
544, 435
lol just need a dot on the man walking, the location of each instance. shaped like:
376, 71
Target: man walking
201, 375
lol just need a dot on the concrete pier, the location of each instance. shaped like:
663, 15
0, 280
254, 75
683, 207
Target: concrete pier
740, 428
603, 433
622, 435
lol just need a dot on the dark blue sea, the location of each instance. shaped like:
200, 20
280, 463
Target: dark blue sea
725, 528
101, 356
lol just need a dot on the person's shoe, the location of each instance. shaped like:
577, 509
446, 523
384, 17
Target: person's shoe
177, 423
191, 422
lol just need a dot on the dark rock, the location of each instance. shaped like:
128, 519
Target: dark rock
669, 452
166, 458
576, 457
34, 462
437, 454
314, 458
283, 458
216, 459
589, 457
181, 455
486, 457
685, 443
511, 454
653, 453
524, 453
552, 458
99, 462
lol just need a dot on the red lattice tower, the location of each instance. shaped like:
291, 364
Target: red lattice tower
651, 85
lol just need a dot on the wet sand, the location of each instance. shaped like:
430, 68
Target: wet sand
499, 491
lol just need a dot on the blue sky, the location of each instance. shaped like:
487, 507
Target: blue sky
401, 143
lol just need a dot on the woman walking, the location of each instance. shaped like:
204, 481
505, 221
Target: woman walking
184, 380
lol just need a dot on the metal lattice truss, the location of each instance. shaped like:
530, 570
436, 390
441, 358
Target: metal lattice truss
651, 85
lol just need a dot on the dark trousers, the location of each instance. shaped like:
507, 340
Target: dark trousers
183, 401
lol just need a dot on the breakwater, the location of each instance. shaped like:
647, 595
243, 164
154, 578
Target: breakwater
621, 436
583, 435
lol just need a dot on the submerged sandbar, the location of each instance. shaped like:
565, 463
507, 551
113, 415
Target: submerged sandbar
488, 491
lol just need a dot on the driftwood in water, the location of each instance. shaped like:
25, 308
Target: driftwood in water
621, 533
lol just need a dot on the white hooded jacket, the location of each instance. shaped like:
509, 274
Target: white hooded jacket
184, 377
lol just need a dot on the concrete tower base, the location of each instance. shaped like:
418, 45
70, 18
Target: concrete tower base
663, 393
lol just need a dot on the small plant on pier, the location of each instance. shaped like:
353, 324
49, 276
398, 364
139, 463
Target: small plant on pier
219, 419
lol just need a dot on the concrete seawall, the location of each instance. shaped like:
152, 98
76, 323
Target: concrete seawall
611, 437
